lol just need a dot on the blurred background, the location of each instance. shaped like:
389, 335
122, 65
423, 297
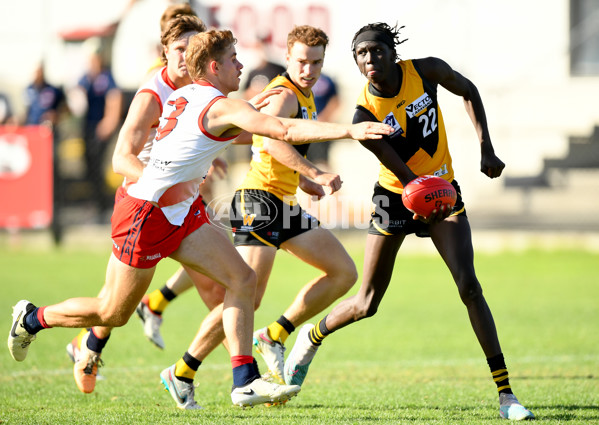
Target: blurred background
535, 63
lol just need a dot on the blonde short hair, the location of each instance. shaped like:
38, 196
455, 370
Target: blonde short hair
205, 47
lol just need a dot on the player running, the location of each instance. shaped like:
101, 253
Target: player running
276, 171
162, 215
404, 94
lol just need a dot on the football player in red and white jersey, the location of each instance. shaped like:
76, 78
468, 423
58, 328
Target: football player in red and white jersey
162, 215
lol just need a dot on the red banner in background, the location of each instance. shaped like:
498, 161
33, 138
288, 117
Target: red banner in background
26, 181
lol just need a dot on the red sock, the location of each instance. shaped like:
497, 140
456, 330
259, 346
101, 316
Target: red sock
241, 360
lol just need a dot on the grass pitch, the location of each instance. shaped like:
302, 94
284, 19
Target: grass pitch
416, 362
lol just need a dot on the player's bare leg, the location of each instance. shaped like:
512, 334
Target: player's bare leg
220, 261
379, 260
261, 259
322, 250
378, 268
125, 286
452, 237
453, 240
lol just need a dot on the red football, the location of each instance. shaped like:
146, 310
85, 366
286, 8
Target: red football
426, 193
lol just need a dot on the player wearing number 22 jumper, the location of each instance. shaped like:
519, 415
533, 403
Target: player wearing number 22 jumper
404, 95
162, 215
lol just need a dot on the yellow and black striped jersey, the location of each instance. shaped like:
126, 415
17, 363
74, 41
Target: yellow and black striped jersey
419, 138
266, 173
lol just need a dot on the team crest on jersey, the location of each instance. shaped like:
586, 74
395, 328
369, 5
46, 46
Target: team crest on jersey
305, 113
392, 121
419, 105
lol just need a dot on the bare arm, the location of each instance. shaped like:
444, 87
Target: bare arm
287, 155
285, 105
227, 116
439, 72
143, 114
384, 152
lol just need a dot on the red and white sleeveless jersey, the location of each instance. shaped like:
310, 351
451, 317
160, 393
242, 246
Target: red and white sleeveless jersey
160, 86
182, 153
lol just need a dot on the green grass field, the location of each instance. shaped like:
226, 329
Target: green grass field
415, 362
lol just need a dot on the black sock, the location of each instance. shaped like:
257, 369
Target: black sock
319, 332
192, 363
167, 293
31, 322
500, 373
96, 344
287, 325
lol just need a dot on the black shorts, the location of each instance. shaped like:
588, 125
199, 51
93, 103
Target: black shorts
260, 218
390, 217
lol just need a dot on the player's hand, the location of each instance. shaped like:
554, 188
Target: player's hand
311, 188
329, 180
262, 99
368, 130
491, 165
436, 216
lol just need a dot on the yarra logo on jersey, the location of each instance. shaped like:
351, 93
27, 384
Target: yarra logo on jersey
418, 105
392, 121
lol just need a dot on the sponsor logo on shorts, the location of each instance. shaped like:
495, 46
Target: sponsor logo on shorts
248, 220
256, 213
152, 257
392, 223
419, 105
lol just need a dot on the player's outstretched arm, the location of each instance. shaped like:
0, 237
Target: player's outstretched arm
227, 115
308, 131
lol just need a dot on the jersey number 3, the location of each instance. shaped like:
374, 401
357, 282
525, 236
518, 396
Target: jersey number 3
171, 121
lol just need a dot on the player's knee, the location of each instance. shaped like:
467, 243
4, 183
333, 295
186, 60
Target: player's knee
470, 291
344, 278
113, 317
244, 281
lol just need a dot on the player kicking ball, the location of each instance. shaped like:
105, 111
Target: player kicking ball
404, 95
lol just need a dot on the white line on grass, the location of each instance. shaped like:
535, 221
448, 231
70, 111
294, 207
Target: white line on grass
558, 359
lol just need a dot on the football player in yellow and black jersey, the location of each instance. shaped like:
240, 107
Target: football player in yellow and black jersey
265, 215
404, 95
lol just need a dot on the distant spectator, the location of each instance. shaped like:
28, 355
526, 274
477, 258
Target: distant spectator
42, 100
101, 120
6, 114
327, 106
265, 71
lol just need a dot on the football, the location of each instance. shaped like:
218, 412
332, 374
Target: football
426, 193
